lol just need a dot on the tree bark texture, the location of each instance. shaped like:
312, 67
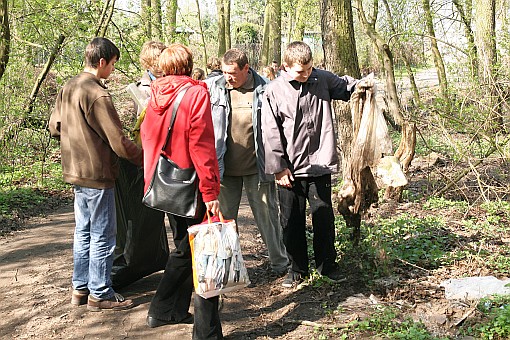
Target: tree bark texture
156, 19
171, 20
5, 37
384, 51
222, 46
436, 54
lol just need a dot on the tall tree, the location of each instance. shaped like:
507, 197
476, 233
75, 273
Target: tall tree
202, 35
436, 54
171, 20
272, 32
485, 38
410, 73
222, 44
386, 56
145, 14
156, 19
5, 37
228, 39
465, 9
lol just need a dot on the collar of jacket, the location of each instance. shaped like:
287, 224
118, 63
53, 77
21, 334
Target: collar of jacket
258, 81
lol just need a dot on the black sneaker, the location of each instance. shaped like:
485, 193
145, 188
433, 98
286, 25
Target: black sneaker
334, 275
292, 279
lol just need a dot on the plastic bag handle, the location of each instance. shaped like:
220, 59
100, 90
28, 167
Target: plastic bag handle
208, 216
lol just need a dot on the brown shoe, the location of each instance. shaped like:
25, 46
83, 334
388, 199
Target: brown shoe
116, 302
79, 297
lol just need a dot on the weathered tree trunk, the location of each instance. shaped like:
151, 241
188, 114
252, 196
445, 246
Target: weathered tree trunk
228, 38
271, 40
108, 19
339, 44
145, 14
405, 154
171, 20
436, 54
157, 23
264, 53
466, 15
42, 75
341, 58
485, 38
414, 87
300, 21
5, 37
275, 36
383, 49
202, 35
222, 45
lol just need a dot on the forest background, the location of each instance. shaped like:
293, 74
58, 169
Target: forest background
457, 132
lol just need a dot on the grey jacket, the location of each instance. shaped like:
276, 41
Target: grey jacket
297, 123
221, 108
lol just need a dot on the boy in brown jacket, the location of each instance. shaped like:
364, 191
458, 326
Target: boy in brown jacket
91, 140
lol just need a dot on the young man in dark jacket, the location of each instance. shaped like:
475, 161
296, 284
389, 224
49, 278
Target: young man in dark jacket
300, 146
91, 140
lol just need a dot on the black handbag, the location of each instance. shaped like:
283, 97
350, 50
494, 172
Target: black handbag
173, 189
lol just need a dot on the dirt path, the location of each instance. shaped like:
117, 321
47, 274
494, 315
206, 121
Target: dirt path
35, 275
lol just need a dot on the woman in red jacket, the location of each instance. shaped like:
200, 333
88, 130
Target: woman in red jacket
191, 144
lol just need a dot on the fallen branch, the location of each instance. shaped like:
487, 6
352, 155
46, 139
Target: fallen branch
413, 265
317, 325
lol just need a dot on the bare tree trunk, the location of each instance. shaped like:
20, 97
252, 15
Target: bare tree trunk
42, 75
264, 53
275, 36
156, 19
414, 87
108, 19
485, 34
171, 18
228, 39
202, 35
102, 18
5, 37
466, 15
299, 26
145, 14
339, 44
383, 49
436, 54
220, 7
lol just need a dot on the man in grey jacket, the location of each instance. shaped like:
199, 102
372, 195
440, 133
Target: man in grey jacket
300, 145
235, 102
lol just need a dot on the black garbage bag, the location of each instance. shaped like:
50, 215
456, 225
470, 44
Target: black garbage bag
142, 245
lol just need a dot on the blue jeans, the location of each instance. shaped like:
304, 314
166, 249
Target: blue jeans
94, 240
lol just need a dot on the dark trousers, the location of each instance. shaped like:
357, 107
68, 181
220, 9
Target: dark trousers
317, 190
173, 296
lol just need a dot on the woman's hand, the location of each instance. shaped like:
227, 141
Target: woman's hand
284, 178
213, 206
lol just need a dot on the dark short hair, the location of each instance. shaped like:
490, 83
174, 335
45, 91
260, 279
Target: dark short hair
100, 48
177, 60
235, 55
297, 52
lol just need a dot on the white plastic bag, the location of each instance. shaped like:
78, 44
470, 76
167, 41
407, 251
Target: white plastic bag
218, 265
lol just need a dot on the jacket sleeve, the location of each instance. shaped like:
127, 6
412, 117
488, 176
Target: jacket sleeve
340, 87
272, 134
56, 118
201, 144
103, 118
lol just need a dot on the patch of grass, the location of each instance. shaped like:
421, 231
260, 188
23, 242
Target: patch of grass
496, 321
386, 322
436, 203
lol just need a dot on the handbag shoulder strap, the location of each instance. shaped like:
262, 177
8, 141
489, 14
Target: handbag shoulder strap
177, 102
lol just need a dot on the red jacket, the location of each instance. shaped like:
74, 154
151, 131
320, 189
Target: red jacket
192, 139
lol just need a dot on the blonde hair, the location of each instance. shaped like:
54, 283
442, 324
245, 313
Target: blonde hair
297, 52
268, 72
149, 56
176, 59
